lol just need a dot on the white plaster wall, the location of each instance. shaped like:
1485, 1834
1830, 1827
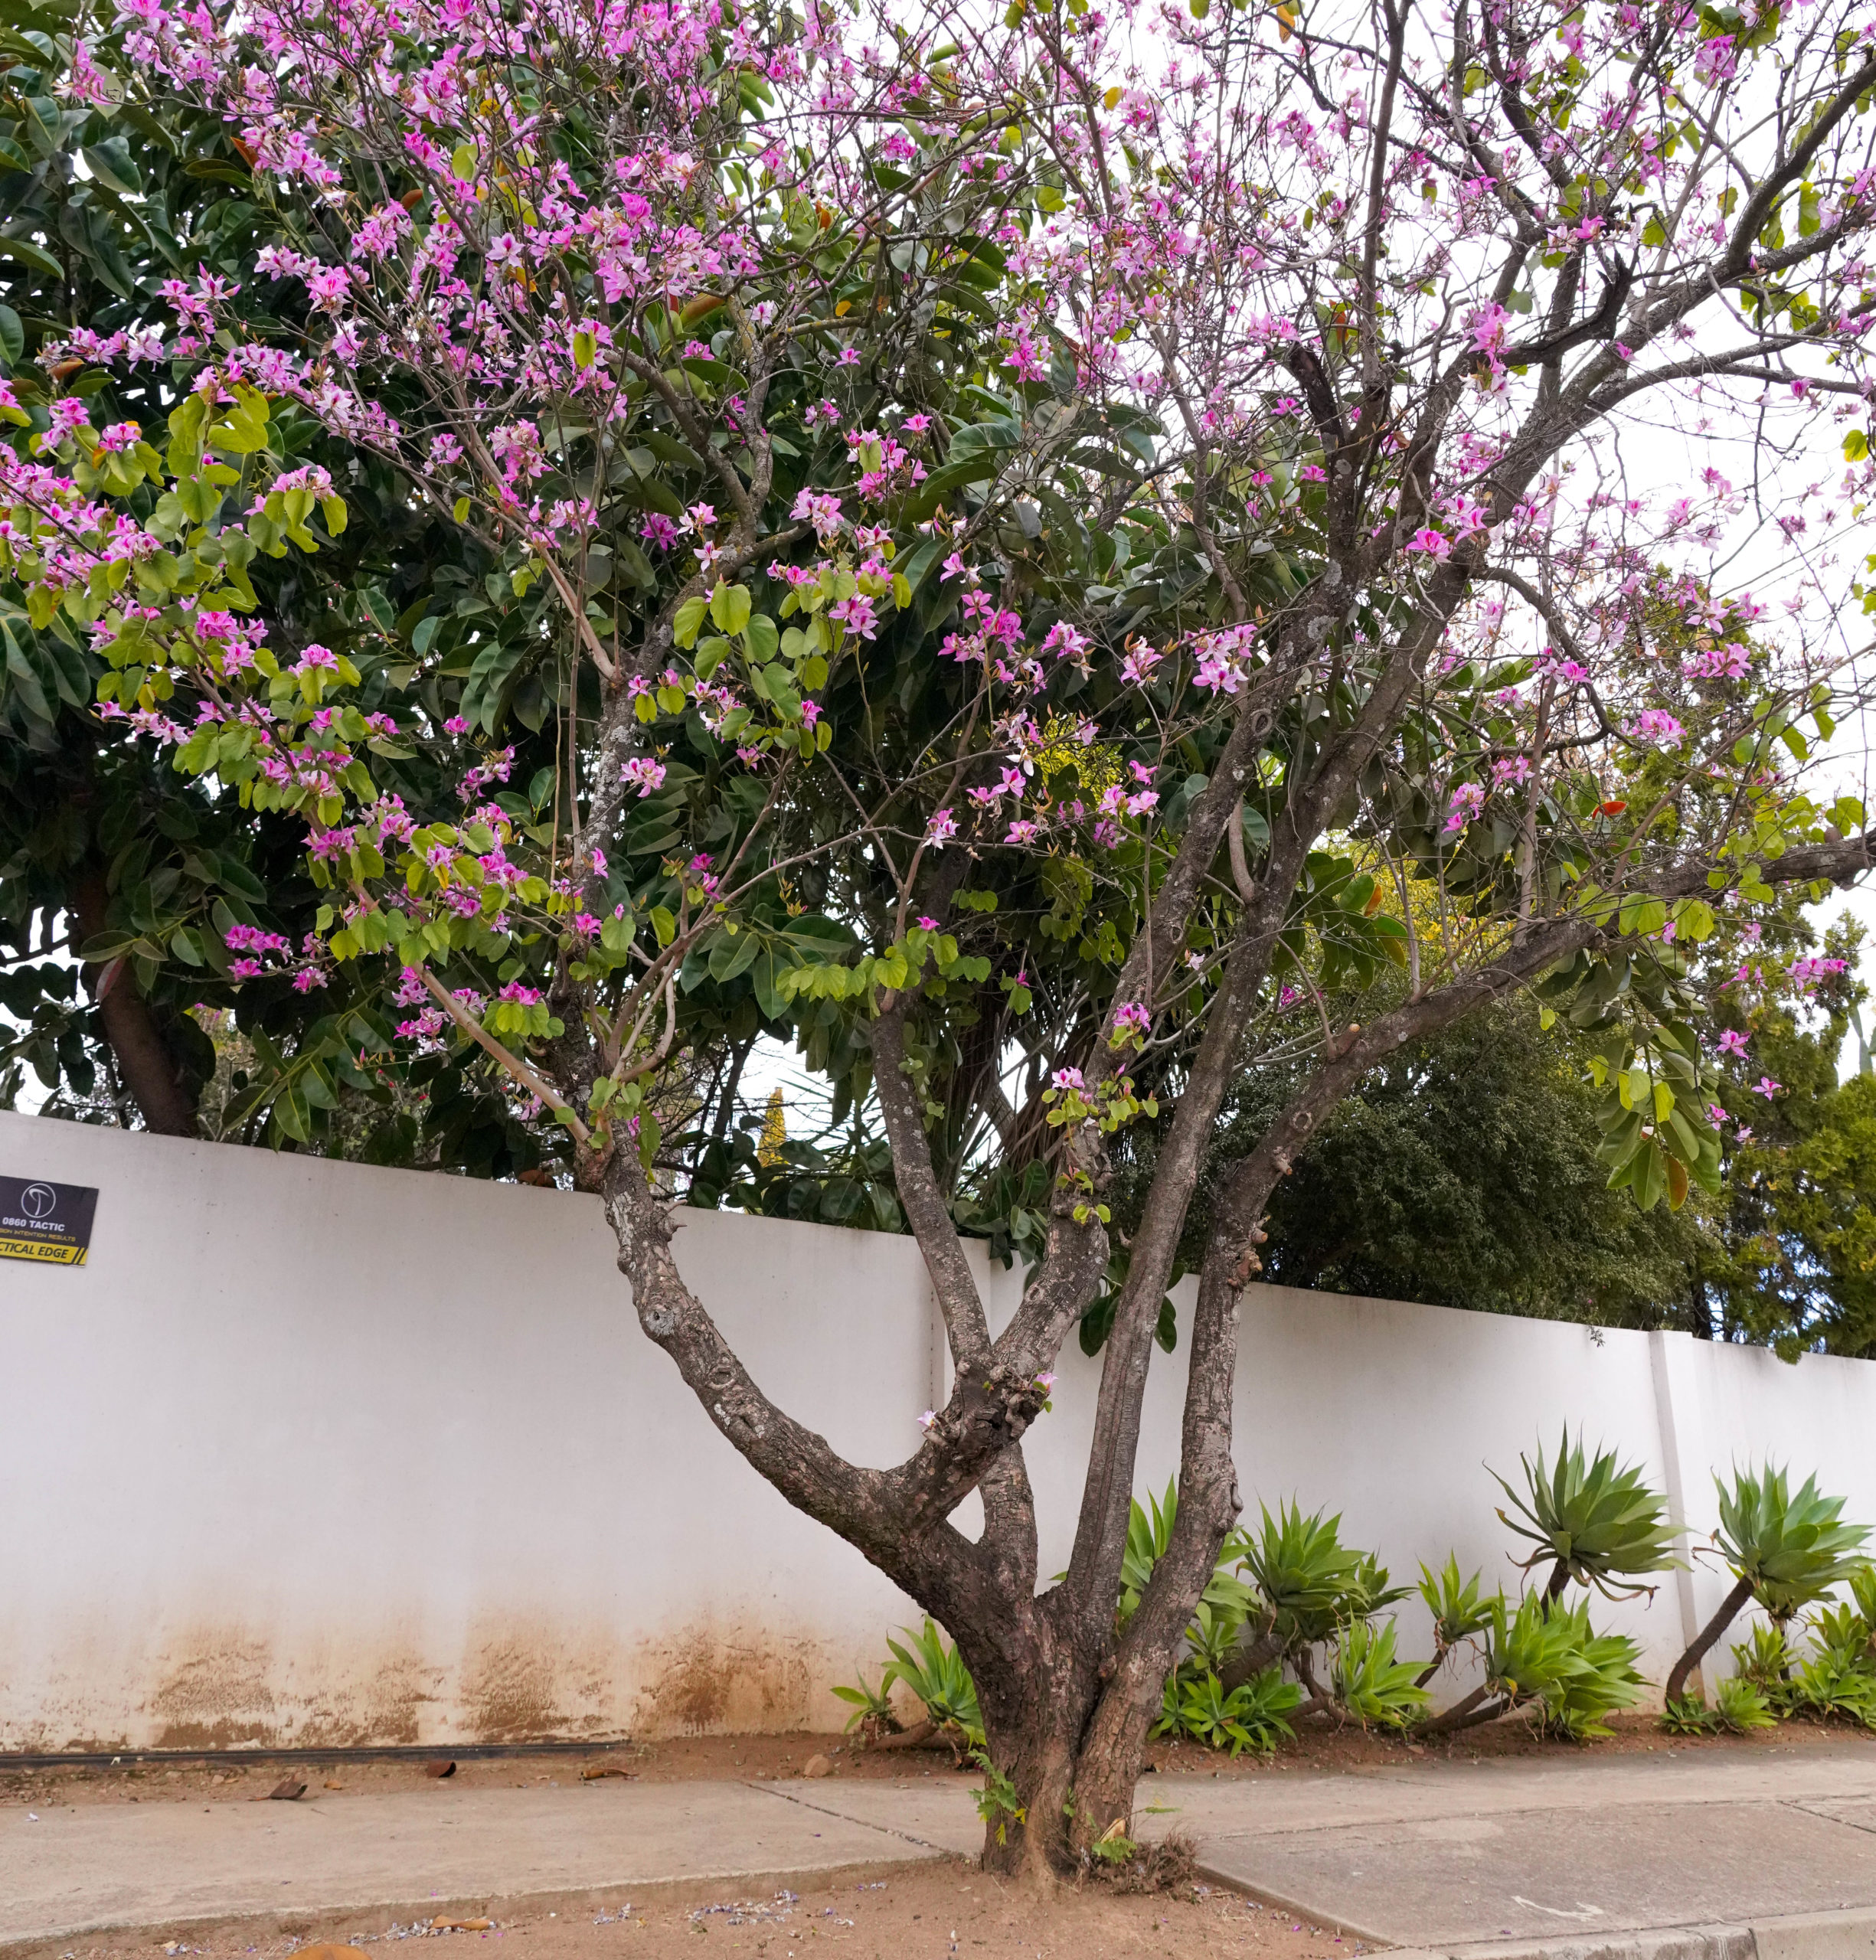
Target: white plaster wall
308, 1451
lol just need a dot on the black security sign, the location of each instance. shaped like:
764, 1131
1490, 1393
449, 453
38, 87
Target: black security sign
41, 1220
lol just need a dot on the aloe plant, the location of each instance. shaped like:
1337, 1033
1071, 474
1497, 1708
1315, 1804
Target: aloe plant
1459, 1608
1303, 1575
872, 1707
1371, 1683
1763, 1658
1596, 1521
1250, 1716
1786, 1552
1547, 1653
1743, 1706
936, 1673
1149, 1533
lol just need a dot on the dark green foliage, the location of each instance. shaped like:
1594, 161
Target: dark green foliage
1464, 1174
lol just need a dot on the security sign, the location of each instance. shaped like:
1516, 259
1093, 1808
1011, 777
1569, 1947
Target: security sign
41, 1220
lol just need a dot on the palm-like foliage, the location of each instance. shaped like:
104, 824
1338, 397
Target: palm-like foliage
1790, 1550
1596, 1521
1371, 1683
1458, 1606
1251, 1715
936, 1673
1551, 1654
1301, 1569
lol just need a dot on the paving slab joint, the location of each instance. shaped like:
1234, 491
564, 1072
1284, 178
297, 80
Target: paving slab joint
1841, 1935
1707, 1942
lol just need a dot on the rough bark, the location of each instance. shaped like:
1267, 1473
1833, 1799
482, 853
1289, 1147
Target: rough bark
1729, 1609
1469, 1712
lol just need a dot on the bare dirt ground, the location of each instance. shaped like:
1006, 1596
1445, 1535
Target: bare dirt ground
763, 1758
948, 1910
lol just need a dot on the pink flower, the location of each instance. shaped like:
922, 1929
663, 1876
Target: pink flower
1468, 800
927, 925
1068, 1079
1654, 724
855, 614
1767, 1087
644, 772
941, 826
1732, 1042
1434, 543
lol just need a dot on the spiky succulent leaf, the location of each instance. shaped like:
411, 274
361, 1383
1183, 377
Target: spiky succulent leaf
1596, 1517
1371, 1683
1458, 1605
1792, 1550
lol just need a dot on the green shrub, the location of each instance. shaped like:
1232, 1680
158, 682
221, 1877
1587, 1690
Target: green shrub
1375, 1688
936, 1673
1250, 1716
1743, 1706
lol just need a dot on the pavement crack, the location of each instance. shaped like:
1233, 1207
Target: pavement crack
1830, 1816
841, 1816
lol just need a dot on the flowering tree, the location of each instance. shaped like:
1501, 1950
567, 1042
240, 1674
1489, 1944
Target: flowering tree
1035, 559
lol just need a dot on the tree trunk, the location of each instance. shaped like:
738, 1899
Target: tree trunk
1250, 1660
145, 1063
1035, 1718
1432, 1667
1729, 1610
1467, 1712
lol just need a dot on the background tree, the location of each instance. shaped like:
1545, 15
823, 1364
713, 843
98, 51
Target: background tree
1027, 560
1789, 1260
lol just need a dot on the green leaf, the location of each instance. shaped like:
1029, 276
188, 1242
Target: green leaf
110, 162
728, 607
763, 637
25, 252
689, 618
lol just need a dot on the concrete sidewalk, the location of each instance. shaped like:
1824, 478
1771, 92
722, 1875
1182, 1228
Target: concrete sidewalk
1684, 1856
